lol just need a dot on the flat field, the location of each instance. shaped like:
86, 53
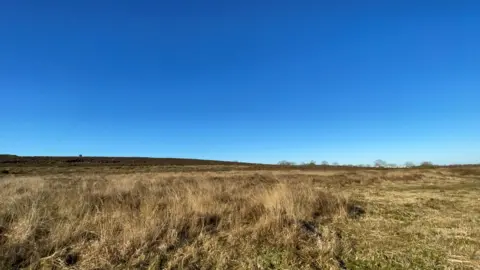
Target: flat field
214, 217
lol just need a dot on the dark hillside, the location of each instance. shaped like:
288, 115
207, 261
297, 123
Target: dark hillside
92, 161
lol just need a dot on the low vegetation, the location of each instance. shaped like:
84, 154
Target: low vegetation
297, 219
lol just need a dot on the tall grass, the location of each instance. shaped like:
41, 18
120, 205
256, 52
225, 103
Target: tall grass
154, 221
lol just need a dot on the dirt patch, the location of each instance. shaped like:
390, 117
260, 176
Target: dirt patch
355, 211
208, 222
3, 232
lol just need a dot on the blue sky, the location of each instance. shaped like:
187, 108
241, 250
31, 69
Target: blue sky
260, 81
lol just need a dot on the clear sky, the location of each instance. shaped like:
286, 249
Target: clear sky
261, 81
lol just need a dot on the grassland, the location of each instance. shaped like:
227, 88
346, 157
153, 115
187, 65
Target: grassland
228, 217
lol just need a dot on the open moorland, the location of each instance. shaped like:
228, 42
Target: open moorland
81, 213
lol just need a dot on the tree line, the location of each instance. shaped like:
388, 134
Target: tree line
379, 163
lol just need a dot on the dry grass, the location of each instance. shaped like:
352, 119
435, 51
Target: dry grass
423, 219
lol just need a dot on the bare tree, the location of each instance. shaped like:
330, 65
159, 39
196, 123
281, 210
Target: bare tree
286, 163
380, 163
409, 164
311, 163
325, 163
427, 164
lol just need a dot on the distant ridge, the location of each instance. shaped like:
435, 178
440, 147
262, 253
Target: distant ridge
7, 156
93, 160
